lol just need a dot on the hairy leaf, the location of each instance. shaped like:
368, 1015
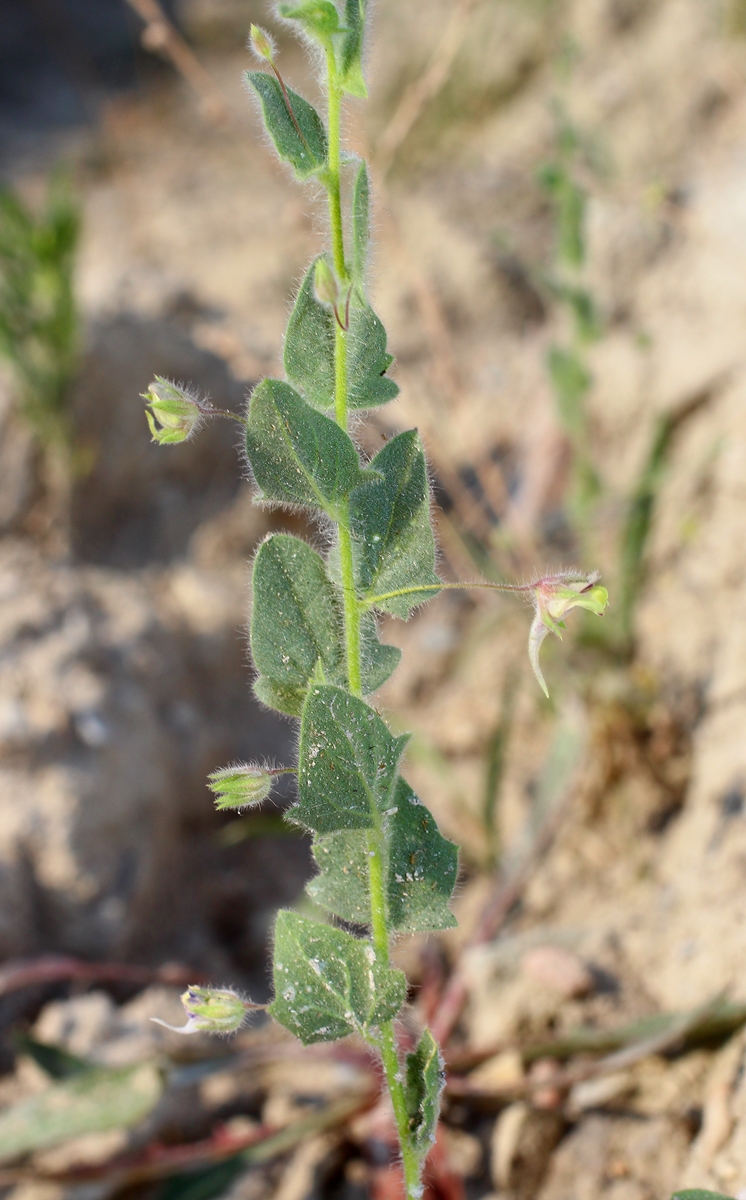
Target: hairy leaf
352, 49
342, 883
422, 866
295, 623
90, 1101
309, 352
360, 226
378, 660
347, 762
319, 18
390, 521
420, 869
309, 346
424, 1083
297, 455
300, 141
297, 628
329, 984
368, 361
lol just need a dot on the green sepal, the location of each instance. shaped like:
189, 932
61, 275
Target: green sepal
360, 227
393, 541
329, 984
425, 1080
295, 622
297, 455
309, 352
352, 49
347, 762
420, 869
305, 151
319, 18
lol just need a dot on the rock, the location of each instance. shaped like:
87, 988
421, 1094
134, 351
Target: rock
558, 968
521, 1145
619, 1156
504, 1070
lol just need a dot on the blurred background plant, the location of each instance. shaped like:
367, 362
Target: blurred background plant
39, 324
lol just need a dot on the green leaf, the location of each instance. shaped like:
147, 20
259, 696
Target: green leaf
378, 660
283, 699
347, 762
420, 869
368, 361
295, 623
301, 142
390, 522
297, 455
424, 1083
360, 227
309, 346
91, 1101
329, 984
342, 883
422, 866
309, 352
698, 1194
319, 18
352, 49
53, 1060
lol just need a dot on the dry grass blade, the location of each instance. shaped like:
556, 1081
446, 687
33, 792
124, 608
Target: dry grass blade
424, 89
674, 1030
53, 968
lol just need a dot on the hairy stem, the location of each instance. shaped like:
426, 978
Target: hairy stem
352, 614
334, 182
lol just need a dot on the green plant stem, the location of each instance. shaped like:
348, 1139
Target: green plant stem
352, 614
333, 169
392, 1067
351, 608
370, 601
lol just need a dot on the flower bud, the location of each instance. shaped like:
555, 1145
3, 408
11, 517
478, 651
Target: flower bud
240, 786
554, 597
261, 43
173, 414
325, 283
211, 1010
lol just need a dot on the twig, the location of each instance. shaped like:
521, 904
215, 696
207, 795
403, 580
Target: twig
160, 37
23, 973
